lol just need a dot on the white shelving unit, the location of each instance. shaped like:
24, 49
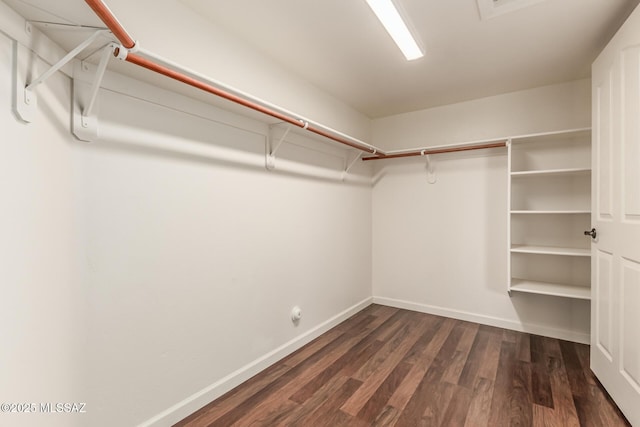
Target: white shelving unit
549, 210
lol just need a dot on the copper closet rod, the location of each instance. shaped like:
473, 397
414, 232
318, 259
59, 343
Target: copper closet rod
109, 19
427, 151
103, 12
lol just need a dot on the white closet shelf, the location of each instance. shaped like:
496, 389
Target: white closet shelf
550, 250
547, 212
552, 172
554, 289
579, 133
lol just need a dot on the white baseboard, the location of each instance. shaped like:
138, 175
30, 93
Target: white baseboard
562, 334
196, 401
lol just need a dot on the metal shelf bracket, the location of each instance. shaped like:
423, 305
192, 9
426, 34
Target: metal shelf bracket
26, 100
87, 79
273, 146
348, 164
431, 171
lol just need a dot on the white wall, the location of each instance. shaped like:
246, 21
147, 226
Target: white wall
152, 270
163, 256
545, 109
42, 330
193, 263
442, 247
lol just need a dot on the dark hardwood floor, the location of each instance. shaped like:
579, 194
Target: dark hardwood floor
391, 367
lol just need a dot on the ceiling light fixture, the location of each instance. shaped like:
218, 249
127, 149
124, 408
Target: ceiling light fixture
396, 27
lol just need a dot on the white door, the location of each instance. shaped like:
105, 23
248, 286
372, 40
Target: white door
615, 306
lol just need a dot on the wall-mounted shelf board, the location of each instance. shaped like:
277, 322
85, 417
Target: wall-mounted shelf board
551, 172
555, 289
551, 212
554, 136
550, 250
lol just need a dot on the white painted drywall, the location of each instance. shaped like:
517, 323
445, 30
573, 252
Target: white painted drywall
152, 270
195, 254
163, 257
42, 328
544, 109
442, 247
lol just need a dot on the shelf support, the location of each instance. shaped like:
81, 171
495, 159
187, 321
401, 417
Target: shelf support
350, 163
26, 99
107, 52
86, 84
431, 172
272, 149
25, 102
62, 62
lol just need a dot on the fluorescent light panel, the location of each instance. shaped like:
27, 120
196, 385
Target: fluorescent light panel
395, 26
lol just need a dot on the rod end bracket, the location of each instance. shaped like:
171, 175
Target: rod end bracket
121, 52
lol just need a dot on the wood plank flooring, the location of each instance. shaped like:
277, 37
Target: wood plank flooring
391, 367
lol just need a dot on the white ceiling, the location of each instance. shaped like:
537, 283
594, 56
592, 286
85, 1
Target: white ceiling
340, 47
